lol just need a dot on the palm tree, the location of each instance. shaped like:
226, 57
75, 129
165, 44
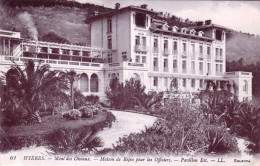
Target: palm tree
31, 88
71, 76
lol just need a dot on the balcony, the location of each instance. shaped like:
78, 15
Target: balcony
155, 50
155, 68
184, 54
165, 69
201, 72
140, 48
175, 70
166, 51
192, 71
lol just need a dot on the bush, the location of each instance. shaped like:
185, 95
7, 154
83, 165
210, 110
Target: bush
86, 112
73, 114
92, 98
180, 130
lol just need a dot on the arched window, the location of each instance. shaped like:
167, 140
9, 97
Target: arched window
245, 86
94, 83
84, 82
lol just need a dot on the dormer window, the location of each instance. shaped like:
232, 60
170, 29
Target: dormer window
140, 20
192, 32
175, 28
183, 30
200, 33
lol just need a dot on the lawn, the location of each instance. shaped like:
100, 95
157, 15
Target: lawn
50, 123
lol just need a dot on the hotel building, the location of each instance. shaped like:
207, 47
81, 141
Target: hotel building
132, 42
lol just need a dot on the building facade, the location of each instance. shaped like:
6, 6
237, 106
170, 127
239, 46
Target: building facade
131, 42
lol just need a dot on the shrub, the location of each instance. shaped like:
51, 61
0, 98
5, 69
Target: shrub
181, 129
86, 112
73, 114
92, 98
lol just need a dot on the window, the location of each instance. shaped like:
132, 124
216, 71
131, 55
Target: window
140, 20
137, 59
84, 82
218, 34
94, 83
155, 81
155, 64
220, 52
165, 63
143, 59
184, 47
209, 68
165, 44
201, 83
245, 86
220, 68
175, 46
175, 64
137, 40
201, 50
184, 82
109, 25
144, 41
208, 50
217, 69
216, 52
193, 49
109, 43
155, 43
184, 66
201, 66
192, 67
193, 83
109, 57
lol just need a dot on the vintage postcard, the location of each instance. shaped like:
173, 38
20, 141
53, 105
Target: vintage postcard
120, 82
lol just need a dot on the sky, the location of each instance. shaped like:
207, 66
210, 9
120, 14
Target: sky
238, 15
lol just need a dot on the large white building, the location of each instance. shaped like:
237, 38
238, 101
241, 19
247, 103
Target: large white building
131, 42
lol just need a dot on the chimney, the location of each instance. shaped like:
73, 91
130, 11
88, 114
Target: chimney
117, 6
208, 22
144, 6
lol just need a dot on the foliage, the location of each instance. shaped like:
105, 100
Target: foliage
27, 91
181, 129
73, 114
130, 94
52, 37
147, 101
92, 98
86, 112
67, 141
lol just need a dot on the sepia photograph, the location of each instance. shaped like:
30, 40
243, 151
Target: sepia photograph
129, 82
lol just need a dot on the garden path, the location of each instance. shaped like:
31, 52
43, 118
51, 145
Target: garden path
126, 123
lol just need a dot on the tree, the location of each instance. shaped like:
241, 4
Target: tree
31, 88
71, 76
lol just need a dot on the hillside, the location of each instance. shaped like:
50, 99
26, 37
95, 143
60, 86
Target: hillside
64, 21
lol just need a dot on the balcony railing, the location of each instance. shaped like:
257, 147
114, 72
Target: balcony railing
165, 69
192, 71
155, 50
208, 56
155, 68
140, 48
219, 57
192, 56
201, 72
175, 70
184, 53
